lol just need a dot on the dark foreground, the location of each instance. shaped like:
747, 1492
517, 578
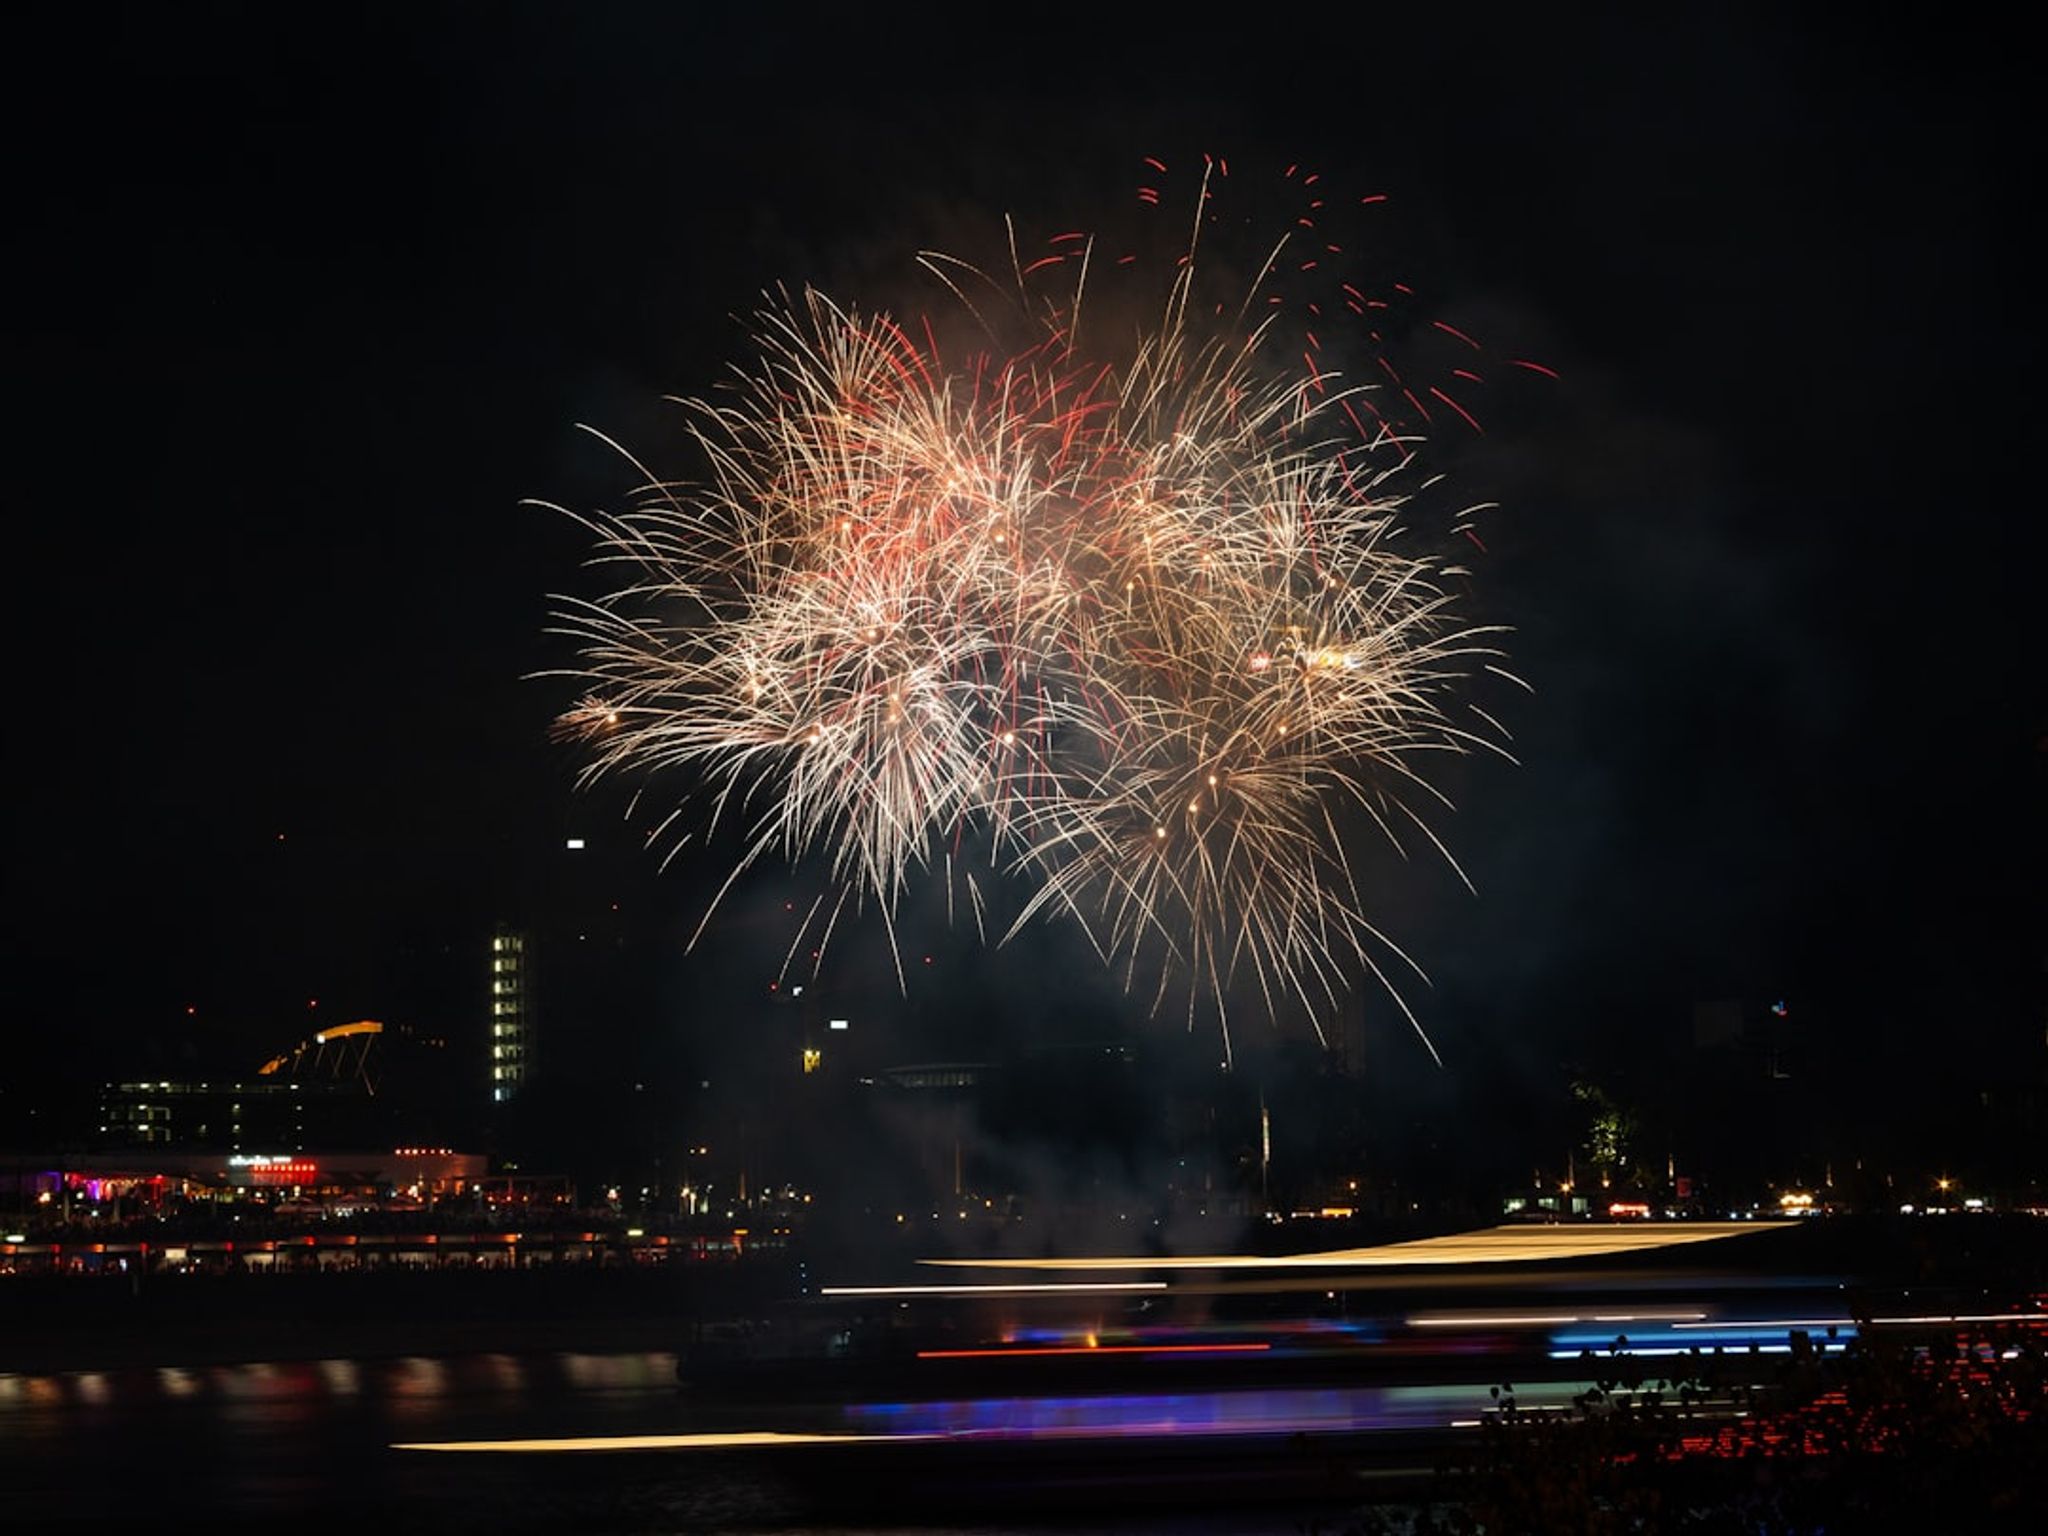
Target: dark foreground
1223, 1406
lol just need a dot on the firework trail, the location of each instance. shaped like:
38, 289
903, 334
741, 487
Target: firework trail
1140, 613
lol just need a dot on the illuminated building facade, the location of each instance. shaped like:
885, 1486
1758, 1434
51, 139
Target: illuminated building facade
511, 1013
227, 1115
364, 1083
145, 1177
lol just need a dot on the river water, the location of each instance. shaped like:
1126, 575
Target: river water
313, 1445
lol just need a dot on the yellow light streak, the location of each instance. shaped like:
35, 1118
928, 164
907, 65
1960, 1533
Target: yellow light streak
704, 1442
1493, 1245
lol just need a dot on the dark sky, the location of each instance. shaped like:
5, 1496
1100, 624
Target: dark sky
303, 301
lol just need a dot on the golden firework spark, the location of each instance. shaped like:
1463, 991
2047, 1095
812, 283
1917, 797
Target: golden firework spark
1141, 616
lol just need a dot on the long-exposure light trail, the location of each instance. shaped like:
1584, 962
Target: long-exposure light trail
1092, 1349
1663, 1351
1046, 1288
1540, 1319
1920, 1320
731, 1440
1494, 1245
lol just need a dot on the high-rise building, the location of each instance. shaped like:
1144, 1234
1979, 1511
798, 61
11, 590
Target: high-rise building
511, 1013
1345, 1040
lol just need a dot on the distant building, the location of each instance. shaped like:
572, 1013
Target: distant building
144, 1177
1761, 1033
941, 1074
225, 1115
1717, 1024
932, 1110
357, 1084
512, 1013
1345, 1040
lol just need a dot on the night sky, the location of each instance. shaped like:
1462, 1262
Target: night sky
302, 303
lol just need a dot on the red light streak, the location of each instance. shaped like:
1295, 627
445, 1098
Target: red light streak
1447, 400
1095, 1349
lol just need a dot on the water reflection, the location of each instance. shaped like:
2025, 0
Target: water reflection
617, 1372
417, 1376
175, 1382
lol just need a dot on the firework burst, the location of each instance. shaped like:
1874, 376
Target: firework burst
1144, 616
